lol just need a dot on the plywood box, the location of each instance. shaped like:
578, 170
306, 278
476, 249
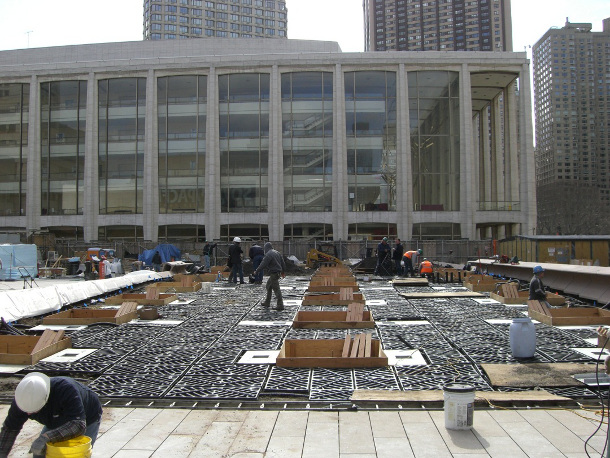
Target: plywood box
330, 288
332, 320
341, 298
141, 299
90, 316
328, 353
577, 316
175, 287
28, 350
553, 299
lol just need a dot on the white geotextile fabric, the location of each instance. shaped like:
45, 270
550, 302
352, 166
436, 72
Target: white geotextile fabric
22, 303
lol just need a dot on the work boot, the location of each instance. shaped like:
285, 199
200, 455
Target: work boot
279, 307
265, 304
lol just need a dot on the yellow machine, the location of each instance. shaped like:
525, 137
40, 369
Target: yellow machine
324, 254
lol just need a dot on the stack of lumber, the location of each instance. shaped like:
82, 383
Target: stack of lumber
355, 312
126, 309
359, 347
47, 339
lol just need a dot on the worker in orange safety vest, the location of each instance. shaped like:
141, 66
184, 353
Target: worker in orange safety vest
410, 259
425, 268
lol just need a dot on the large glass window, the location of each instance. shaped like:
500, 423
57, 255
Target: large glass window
14, 108
435, 140
182, 123
370, 114
307, 114
62, 134
244, 141
122, 109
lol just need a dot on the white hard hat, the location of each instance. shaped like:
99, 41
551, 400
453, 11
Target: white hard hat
32, 392
237, 240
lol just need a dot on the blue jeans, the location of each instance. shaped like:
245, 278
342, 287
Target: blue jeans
90, 432
237, 268
206, 261
255, 263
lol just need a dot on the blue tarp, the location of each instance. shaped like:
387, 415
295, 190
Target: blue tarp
18, 261
166, 250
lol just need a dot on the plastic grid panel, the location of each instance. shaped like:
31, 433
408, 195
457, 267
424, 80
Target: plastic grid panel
288, 380
434, 377
214, 387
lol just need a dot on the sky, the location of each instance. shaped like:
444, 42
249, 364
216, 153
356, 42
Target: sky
41, 23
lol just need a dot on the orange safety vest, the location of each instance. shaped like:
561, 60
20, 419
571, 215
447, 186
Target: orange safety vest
409, 254
426, 267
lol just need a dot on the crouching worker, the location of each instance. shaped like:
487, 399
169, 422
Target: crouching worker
274, 263
66, 408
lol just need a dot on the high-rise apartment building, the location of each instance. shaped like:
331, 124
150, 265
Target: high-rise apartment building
437, 25
572, 106
171, 19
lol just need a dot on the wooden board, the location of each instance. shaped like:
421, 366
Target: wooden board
330, 288
567, 316
481, 397
333, 299
410, 282
141, 299
332, 320
536, 374
441, 294
329, 353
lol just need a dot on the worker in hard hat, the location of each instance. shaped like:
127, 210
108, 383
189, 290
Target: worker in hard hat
410, 260
235, 253
426, 268
383, 254
537, 292
65, 407
274, 262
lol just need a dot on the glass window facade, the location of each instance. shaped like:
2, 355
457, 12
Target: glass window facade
244, 141
370, 116
122, 110
182, 123
435, 140
307, 115
62, 129
14, 111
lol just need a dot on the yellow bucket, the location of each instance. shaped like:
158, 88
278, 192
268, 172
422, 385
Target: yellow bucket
79, 447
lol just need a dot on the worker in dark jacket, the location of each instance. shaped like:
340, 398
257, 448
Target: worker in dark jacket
235, 253
208, 248
397, 257
383, 254
257, 253
66, 408
537, 292
276, 266
156, 262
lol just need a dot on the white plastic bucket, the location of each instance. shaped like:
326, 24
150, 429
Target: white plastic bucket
459, 405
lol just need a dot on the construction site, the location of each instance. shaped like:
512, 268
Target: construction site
347, 339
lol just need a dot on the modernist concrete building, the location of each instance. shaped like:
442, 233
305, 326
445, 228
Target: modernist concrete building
437, 25
176, 19
216, 138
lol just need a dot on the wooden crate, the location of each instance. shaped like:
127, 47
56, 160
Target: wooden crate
28, 350
126, 313
332, 353
509, 294
141, 299
354, 318
479, 283
565, 316
175, 287
330, 288
344, 297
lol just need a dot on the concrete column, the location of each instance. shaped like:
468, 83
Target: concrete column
404, 189
33, 199
511, 183
212, 161
527, 165
340, 196
467, 157
276, 159
91, 207
486, 159
151, 162
496, 151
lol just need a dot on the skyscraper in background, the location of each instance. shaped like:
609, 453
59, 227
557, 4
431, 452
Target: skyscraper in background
171, 19
437, 25
572, 107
